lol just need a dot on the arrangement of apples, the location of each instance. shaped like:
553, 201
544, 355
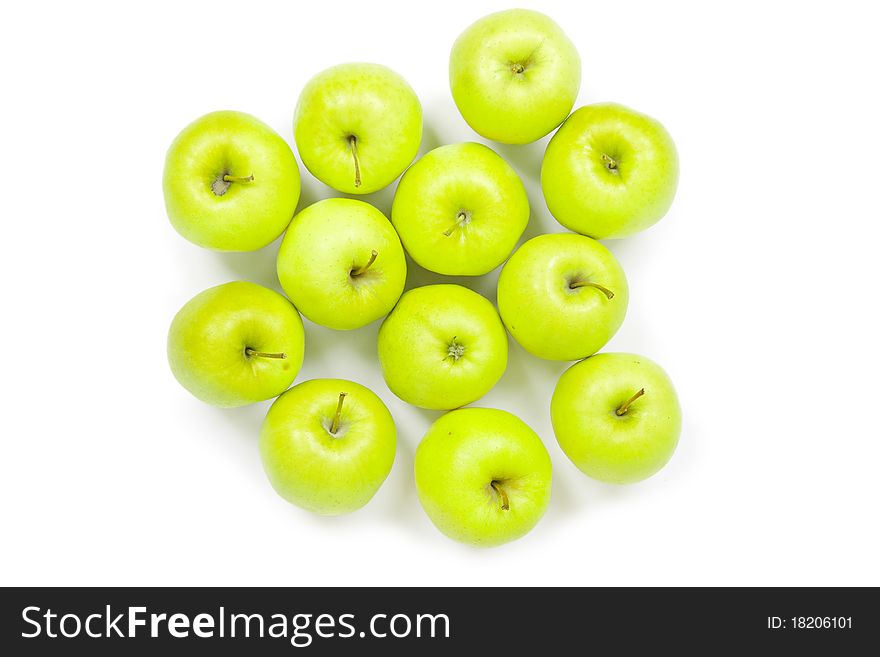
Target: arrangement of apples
482, 475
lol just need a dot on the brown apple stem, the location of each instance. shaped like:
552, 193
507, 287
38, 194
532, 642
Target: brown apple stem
460, 220
253, 353
604, 290
352, 144
609, 161
505, 502
335, 426
360, 270
625, 406
239, 179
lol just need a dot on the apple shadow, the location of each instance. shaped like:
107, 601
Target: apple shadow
418, 276
525, 158
430, 140
244, 421
400, 503
634, 248
541, 222
312, 190
327, 348
527, 373
254, 266
684, 459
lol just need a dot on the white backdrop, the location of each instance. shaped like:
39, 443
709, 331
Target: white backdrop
757, 293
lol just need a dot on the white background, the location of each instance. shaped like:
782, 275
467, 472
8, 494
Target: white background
758, 293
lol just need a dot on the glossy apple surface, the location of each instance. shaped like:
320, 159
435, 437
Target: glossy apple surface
327, 445
443, 346
235, 344
562, 296
609, 171
230, 182
483, 476
514, 75
327, 267
460, 210
357, 127
616, 416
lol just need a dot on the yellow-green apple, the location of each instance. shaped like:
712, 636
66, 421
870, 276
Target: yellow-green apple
341, 263
443, 346
357, 127
609, 171
483, 476
230, 182
235, 344
460, 210
562, 296
327, 445
616, 416
514, 75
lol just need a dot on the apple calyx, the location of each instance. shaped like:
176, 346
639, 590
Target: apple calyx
352, 144
360, 270
573, 285
625, 406
610, 163
463, 218
334, 426
455, 349
222, 183
505, 502
253, 353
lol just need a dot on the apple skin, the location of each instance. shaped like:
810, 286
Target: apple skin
314, 469
514, 75
616, 449
369, 102
544, 314
470, 192
443, 346
587, 196
230, 216
458, 459
323, 245
209, 336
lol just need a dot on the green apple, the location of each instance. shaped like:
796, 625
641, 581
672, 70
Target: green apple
460, 210
327, 445
483, 476
609, 171
443, 346
230, 182
341, 263
562, 296
616, 416
514, 75
235, 344
357, 127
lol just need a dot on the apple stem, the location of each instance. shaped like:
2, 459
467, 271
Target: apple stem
505, 502
576, 284
610, 162
253, 353
352, 143
461, 219
625, 407
360, 270
232, 179
334, 427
